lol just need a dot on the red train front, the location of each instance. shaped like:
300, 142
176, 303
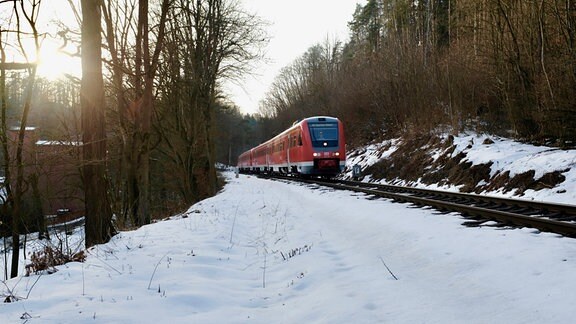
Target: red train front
313, 146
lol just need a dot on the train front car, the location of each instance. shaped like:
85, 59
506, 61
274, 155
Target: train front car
324, 147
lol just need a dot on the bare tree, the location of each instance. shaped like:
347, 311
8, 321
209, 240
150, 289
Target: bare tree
209, 41
133, 66
146, 66
98, 226
19, 179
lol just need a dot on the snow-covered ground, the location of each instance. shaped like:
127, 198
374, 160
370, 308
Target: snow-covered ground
506, 155
264, 251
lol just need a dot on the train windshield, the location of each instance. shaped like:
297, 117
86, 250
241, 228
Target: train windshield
324, 134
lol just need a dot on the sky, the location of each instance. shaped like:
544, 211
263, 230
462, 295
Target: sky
265, 251
53, 62
296, 25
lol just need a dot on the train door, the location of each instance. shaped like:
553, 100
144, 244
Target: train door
268, 152
288, 149
293, 156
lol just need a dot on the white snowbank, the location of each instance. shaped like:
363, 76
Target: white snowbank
505, 156
271, 252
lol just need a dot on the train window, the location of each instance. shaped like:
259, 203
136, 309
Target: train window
299, 139
324, 134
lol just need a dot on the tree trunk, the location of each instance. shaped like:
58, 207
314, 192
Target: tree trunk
98, 228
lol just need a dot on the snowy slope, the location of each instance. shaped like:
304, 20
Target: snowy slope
505, 155
271, 252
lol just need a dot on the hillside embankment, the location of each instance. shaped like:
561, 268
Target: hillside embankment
469, 163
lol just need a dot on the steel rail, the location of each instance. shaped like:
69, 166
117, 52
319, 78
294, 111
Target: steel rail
568, 211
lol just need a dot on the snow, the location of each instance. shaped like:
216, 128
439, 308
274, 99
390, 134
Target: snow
519, 158
505, 155
522, 158
265, 251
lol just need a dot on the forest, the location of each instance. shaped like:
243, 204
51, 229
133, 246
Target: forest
500, 66
154, 122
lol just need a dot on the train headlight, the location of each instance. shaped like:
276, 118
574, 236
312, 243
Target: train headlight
315, 154
337, 153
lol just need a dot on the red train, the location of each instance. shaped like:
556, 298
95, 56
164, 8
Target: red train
314, 146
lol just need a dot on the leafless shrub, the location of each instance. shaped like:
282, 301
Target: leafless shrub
294, 252
46, 260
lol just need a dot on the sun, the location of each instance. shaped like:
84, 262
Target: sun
54, 64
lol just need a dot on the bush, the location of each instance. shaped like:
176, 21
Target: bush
48, 258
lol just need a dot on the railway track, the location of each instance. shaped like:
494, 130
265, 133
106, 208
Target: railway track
546, 217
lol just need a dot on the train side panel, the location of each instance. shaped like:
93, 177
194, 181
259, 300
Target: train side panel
260, 159
295, 154
278, 154
245, 161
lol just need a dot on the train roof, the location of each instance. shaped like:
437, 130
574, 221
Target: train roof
294, 125
307, 120
320, 119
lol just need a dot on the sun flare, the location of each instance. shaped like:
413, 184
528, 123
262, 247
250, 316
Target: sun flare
53, 64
